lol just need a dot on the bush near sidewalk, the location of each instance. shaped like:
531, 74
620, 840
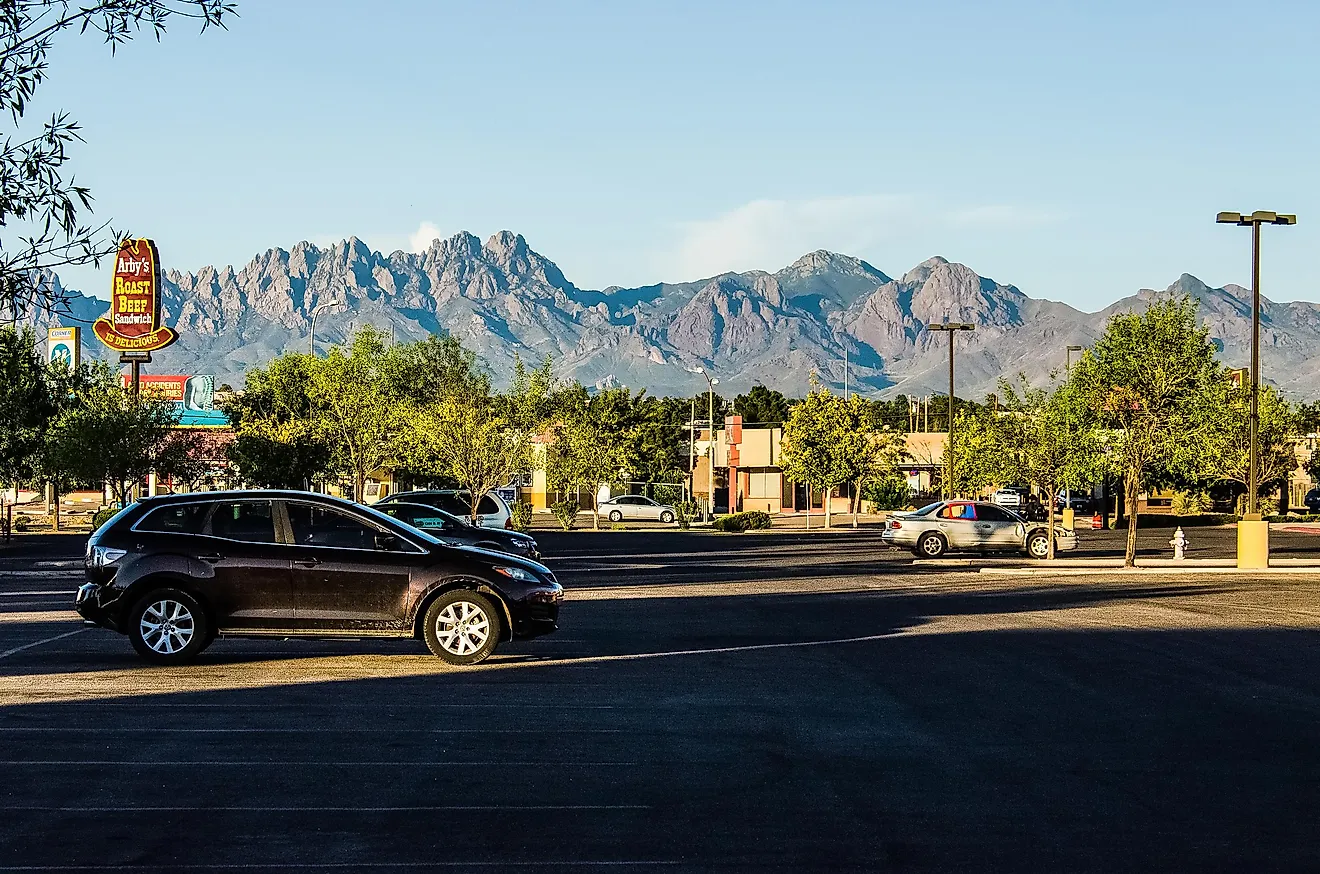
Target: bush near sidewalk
566, 512
740, 522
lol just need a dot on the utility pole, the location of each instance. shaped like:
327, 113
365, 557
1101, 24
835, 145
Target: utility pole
692, 447
951, 328
710, 444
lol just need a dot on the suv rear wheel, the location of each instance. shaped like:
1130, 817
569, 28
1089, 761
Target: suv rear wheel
462, 627
169, 627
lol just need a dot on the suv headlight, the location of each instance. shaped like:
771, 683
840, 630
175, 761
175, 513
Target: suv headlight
517, 573
104, 556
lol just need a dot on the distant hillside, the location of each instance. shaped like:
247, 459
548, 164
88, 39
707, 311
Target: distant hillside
501, 297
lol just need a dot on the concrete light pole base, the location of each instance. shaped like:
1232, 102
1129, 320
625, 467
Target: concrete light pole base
1253, 542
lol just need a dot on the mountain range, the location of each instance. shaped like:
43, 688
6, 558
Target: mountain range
501, 298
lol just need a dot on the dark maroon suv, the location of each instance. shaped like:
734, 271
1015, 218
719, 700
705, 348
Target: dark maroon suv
174, 572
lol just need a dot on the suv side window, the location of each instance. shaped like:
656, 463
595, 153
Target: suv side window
487, 506
246, 521
175, 519
314, 525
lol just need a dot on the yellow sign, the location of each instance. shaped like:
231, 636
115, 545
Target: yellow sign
64, 347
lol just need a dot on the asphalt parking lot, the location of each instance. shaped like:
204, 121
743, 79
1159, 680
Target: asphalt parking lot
738, 703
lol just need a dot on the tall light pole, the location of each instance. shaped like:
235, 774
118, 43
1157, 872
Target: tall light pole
1254, 221
710, 444
951, 327
316, 310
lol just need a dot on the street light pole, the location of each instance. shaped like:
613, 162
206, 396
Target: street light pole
1255, 220
710, 444
316, 310
951, 327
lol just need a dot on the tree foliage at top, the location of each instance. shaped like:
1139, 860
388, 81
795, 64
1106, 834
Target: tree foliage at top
41, 212
762, 406
1144, 379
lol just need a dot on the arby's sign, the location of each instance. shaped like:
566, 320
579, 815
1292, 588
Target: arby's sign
133, 323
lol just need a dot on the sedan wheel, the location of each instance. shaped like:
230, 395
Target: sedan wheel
931, 546
666, 517
1038, 545
168, 627
462, 627
616, 516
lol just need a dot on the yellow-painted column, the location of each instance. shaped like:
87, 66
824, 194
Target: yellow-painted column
1069, 517
1253, 543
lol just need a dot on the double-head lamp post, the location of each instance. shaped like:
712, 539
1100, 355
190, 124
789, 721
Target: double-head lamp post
951, 327
1254, 221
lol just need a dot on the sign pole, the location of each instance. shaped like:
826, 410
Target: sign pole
137, 379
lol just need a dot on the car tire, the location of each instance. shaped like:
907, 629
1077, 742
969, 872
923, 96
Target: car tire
462, 627
1038, 545
931, 545
666, 517
616, 516
169, 627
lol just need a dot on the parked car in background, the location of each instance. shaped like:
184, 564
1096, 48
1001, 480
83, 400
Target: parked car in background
1009, 497
1312, 501
1081, 503
635, 507
174, 572
492, 511
458, 531
972, 525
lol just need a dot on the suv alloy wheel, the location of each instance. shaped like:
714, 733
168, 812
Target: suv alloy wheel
462, 627
168, 627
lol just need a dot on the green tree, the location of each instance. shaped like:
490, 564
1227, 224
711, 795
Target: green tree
27, 405
1221, 431
357, 406
1144, 378
279, 442
807, 452
110, 436
40, 208
582, 455
467, 438
863, 453
762, 406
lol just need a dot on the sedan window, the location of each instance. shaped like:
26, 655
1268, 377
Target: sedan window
248, 521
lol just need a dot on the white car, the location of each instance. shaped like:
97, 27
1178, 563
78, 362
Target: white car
972, 525
622, 507
1007, 498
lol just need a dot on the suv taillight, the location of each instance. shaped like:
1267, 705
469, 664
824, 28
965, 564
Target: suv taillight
508, 524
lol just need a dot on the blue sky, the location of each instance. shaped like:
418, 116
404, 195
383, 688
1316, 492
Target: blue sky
1079, 151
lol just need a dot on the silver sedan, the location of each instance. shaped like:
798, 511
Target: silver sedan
960, 525
623, 507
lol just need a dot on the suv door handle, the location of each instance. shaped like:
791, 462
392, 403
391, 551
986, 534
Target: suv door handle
307, 562
211, 558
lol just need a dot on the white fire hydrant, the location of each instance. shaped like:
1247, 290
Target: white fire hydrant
1179, 544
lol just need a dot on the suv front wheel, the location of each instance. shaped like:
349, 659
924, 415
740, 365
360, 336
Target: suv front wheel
462, 627
169, 627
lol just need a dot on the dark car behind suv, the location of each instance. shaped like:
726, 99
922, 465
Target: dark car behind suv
174, 572
457, 531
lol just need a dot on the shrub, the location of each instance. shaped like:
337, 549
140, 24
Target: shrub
887, 494
520, 515
103, 516
20, 523
684, 513
739, 522
566, 512
1190, 503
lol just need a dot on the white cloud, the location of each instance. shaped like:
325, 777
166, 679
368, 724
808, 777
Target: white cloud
420, 239
767, 234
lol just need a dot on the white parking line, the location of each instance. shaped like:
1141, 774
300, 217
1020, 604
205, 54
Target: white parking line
353, 866
27, 646
101, 730
313, 762
208, 808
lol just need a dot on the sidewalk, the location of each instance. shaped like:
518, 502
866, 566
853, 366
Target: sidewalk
1088, 567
